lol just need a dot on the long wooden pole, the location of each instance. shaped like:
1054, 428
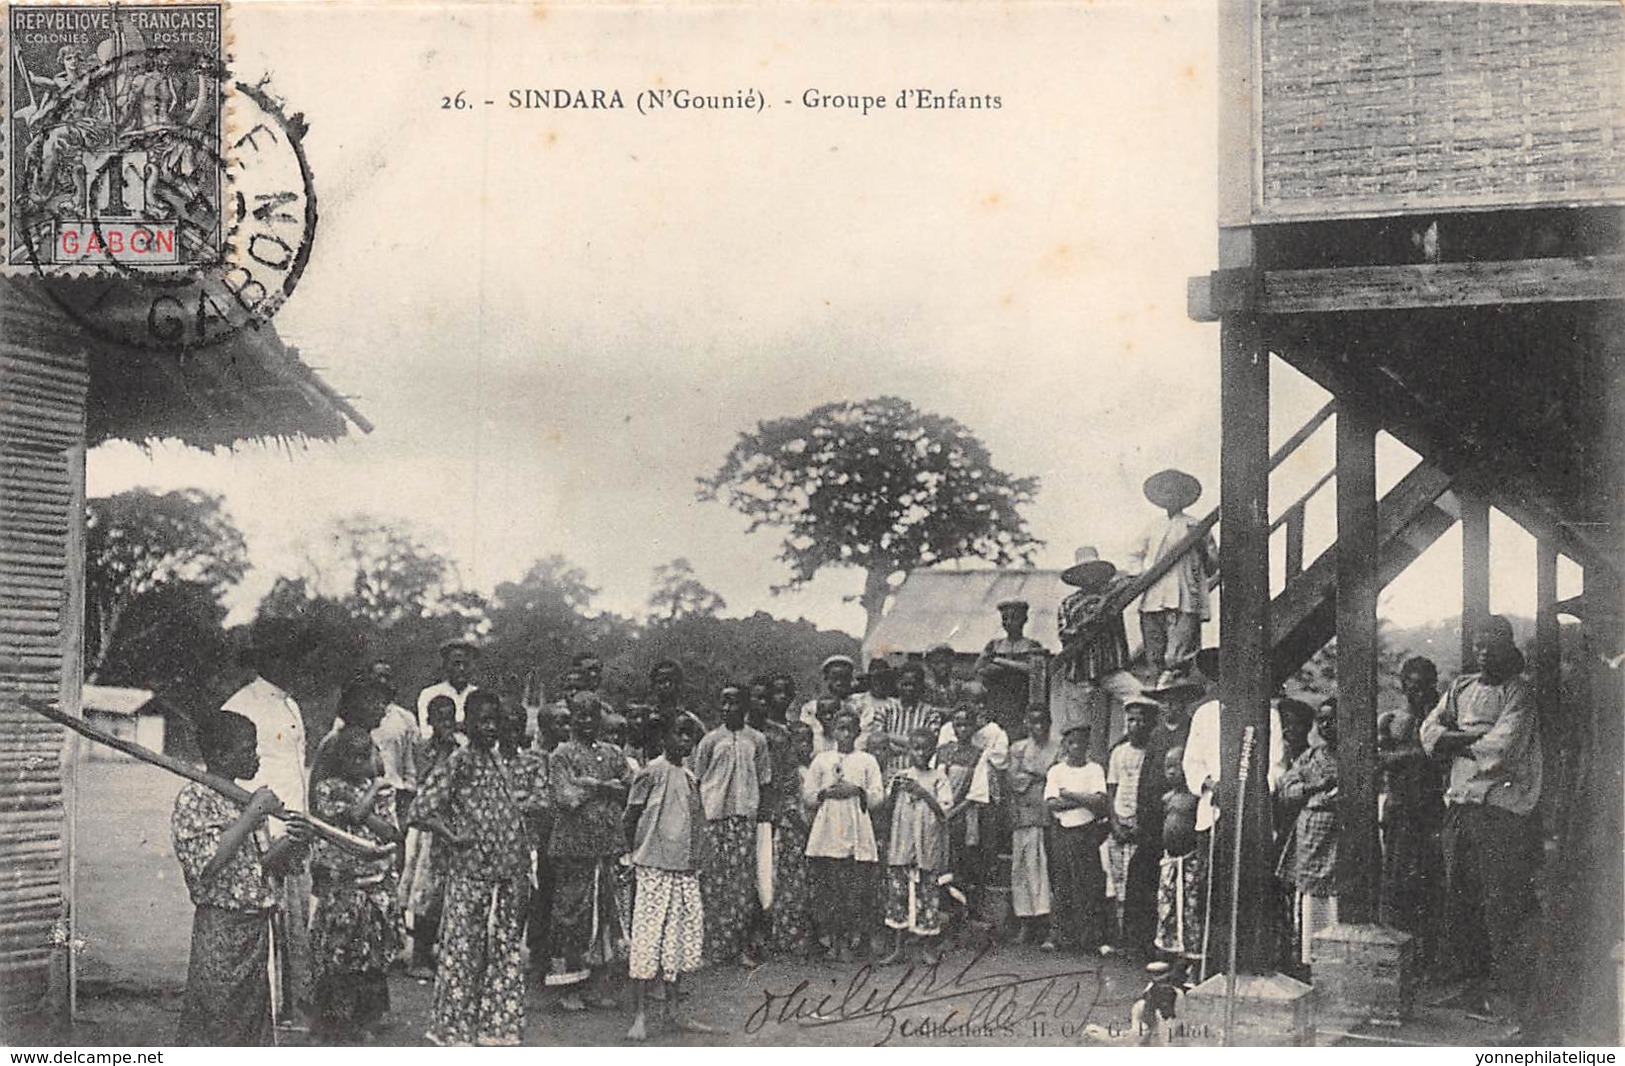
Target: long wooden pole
229, 789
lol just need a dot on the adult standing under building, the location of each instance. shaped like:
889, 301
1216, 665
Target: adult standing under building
1173, 609
1485, 727
1006, 667
457, 658
837, 672
280, 727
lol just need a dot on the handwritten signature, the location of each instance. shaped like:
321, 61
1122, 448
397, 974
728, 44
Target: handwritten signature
973, 1001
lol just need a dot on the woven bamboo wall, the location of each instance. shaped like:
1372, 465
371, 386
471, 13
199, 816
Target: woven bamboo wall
42, 411
1371, 107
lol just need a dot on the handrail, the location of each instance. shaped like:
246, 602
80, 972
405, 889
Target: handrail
1119, 601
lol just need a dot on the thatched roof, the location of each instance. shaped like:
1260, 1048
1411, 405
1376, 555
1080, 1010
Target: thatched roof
249, 387
960, 608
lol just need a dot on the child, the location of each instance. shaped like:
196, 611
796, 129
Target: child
1076, 794
790, 918
669, 844
1310, 786
1183, 870
764, 716
824, 711
1132, 786
917, 849
615, 735
423, 880
958, 758
589, 779
1030, 762
731, 763
355, 932
468, 804
843, 785
230, 864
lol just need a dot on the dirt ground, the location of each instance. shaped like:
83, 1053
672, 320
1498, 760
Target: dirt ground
135, 921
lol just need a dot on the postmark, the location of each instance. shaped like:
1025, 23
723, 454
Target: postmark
166, 204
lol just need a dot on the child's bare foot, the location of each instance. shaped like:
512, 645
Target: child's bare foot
640, 1029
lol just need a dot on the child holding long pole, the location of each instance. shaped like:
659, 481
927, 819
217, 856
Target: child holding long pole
231, 867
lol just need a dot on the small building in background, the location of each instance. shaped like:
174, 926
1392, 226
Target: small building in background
132, 714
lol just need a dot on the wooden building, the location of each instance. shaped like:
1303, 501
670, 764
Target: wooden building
62, 391
1420, 209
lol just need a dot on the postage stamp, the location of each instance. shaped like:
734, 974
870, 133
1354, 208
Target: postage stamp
174, 199
115, 123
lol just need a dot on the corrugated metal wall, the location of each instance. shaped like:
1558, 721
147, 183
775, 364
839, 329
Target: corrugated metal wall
42, 413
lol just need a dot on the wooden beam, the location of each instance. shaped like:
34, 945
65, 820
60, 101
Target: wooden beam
1475, 570
1244, 559
1411, 286
1359, 853
1548, 656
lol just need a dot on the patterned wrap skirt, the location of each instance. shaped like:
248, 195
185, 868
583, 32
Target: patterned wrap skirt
587, 930
479, 987
1180, 900
913, 900
228, 981
790, 918
728, 885
668, 925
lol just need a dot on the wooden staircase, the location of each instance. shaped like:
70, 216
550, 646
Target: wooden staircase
1410, 518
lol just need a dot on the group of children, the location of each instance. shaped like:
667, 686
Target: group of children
661, 845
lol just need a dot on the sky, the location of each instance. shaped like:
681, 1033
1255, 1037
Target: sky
559, 319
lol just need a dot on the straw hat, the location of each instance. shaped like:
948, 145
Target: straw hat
1088, 571
1172, 490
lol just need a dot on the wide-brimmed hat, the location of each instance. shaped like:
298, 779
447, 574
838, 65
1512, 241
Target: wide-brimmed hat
1172, 490
1088, 571
1172, 681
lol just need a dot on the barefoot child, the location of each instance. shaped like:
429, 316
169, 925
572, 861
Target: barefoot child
1030, 761
1076, 795
917, 846
1183, 872
589, 779
423, 881
958, 758
732, 764
843, 784
790, 918
355, 933
468, 804
230, 864
667, 820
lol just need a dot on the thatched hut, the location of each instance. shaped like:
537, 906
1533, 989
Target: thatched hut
64, 390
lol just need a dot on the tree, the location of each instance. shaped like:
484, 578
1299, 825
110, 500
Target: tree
139, 542
679, 594
390, 574
878, 485
541, 620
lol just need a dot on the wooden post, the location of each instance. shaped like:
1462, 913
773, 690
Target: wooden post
1359, 854
1475, 570
1244, 559
1548, 651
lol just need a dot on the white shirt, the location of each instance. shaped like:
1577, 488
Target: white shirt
1184, 586
1086, 779
1202, 759
442, 688
995, 747
281, 729
396, 739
